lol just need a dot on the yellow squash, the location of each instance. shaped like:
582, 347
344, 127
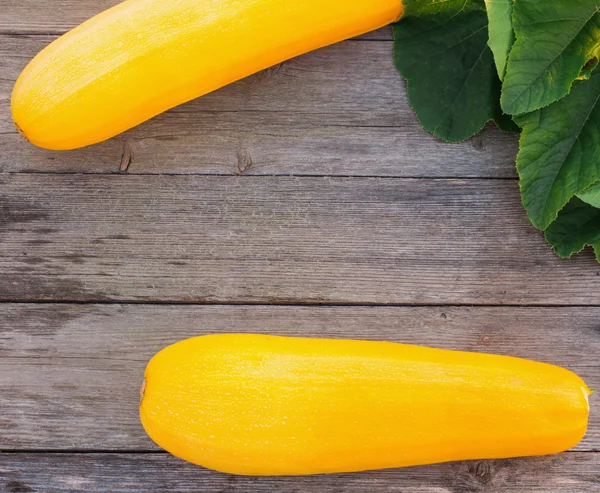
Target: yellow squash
143, 57
261, 405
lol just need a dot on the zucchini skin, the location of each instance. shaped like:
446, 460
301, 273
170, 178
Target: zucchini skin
265, 405
143, 57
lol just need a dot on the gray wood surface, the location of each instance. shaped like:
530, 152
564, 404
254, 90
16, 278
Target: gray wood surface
71, 373
58, 16
114, 473
50, 16
327, 194
338, 111
278, 239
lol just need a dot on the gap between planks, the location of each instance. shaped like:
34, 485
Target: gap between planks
284, 304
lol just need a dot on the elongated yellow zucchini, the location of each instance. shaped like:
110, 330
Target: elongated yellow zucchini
142, 57
261, 405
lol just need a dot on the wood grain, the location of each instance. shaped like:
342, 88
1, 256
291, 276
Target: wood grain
70, 374
67, 473
338, 111
59, 16
276, 239
24, 16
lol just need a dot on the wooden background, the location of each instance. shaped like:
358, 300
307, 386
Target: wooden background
305, 200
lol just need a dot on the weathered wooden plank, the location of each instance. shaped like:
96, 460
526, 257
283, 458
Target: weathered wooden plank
338, 111
276, 239
72, 473
48, 16
58, 16
70, 374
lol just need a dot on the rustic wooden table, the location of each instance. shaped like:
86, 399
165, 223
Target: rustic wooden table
305, 200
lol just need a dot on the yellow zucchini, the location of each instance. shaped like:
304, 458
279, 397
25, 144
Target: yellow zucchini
142, 57
262, 405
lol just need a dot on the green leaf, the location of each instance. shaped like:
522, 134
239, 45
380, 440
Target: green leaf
591, 196
426, 8
441, 50
577, 226
501, 33
560, 152
555, 40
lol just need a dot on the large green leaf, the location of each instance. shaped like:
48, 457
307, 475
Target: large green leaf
591, 195
577, 226
441, 50
501, 39
427, 8
560, 152
501, 33
555, 41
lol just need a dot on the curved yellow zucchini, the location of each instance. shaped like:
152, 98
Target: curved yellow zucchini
142, 57
261, 405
